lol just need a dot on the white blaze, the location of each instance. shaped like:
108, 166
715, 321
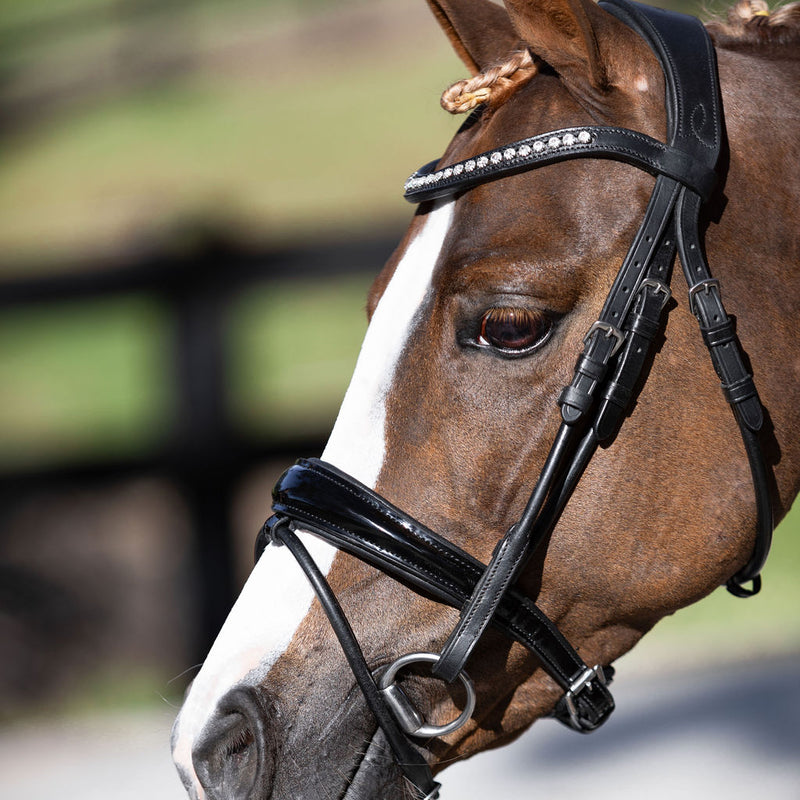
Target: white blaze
277, 596
357, 444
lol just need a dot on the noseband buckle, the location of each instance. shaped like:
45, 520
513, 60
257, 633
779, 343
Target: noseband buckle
409, 718
583, 682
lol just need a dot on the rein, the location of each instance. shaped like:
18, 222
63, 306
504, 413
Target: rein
315, 496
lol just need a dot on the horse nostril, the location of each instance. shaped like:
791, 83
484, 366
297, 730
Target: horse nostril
233, 758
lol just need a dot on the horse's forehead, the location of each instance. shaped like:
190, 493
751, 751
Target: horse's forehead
553, 223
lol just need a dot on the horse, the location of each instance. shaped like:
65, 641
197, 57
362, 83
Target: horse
442, 535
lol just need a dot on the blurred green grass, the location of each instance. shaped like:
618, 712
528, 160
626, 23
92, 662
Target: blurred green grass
82, 379
288, 150
292, 349
300, 152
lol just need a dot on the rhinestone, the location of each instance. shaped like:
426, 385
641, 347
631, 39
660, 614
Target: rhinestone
509, 153
482, 162
429, 179
525, 150
584, 137
569, 140
448, 173
496, 157
470, 165
554, 143
458, 169
538, 147
437, 176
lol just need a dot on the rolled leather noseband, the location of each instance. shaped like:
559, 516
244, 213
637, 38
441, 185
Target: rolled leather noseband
318, 497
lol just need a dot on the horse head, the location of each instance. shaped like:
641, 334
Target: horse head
459, 395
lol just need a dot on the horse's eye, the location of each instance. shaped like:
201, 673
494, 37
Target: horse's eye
513, 329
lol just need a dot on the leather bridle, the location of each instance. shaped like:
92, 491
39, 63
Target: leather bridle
315, 496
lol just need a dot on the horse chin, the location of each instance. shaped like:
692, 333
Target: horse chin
377, 775
354, 764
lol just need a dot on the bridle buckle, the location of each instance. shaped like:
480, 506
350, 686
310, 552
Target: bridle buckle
609, 331
658, 287
704, 286
583, 682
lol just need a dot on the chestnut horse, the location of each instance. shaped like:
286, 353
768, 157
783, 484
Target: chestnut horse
475, 324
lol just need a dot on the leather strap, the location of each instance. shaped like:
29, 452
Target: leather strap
577, 399
695, 126
727, 356
689, 63
643, 327
694, 111
408, 758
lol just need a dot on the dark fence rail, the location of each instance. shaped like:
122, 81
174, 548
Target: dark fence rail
204, 456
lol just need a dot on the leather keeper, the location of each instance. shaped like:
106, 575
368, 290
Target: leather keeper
740, 391
618, 394
574, 404
591, 368
720, 334
645, 327
589, 718
743, 396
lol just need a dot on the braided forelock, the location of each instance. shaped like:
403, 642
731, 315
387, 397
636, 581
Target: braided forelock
753, 20
493, 85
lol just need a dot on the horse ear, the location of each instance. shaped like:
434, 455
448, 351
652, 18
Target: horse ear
480, 31
585, 45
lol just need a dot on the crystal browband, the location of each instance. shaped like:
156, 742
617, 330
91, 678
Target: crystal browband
595, 141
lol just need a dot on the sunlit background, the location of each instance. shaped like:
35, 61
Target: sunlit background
194, 197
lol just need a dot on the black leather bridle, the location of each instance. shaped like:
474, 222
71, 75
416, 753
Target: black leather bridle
315, 496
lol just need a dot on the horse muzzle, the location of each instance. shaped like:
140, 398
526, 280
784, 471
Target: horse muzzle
235, 755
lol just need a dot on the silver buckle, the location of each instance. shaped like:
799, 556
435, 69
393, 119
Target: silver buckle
410, 720
609, 331
583, 682
659, 287
703, 286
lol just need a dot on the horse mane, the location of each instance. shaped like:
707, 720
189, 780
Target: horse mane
748, 22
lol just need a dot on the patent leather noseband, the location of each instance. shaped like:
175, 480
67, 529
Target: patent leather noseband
317, 497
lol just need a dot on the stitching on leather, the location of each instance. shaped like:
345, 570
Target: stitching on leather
548, 662
526, 636
373, 503
494, 600
679, 89
444, 581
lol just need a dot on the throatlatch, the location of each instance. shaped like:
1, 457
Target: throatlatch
317, 497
